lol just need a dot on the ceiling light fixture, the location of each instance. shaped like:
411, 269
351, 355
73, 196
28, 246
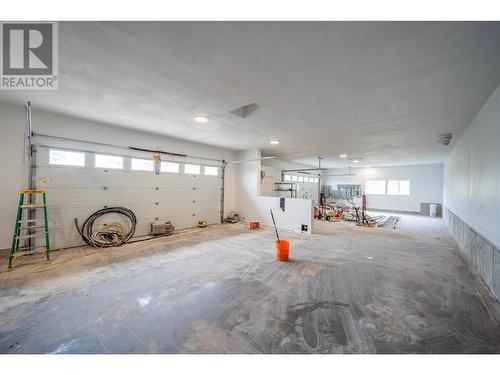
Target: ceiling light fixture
201, 119
355, 161
275, 142
343, 155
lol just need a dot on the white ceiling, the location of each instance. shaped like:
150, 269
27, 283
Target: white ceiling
380, 91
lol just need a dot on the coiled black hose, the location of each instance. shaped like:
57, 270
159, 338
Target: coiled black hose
104, 238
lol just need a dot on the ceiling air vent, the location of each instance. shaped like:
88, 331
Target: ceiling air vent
245, 111
445, 139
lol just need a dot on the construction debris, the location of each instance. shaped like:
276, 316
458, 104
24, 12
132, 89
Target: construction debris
356, 214
390, 221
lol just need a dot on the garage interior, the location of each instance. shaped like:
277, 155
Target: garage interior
255, 187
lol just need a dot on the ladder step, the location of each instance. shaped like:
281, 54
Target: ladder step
33, 191
27, 252
21, 237
32, 227
27, 227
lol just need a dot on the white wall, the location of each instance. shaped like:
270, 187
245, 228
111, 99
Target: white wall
426, 185
297, 212
252, 206
247, 183
273, 168
14, 171
472, 173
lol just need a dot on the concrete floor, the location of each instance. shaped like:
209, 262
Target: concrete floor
347, 289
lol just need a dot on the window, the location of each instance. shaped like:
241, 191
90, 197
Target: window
294, 178
288, 178
142, 165
306, 179
192, 169
398, 187
314, 180
301, 179
211, 171
108, 161
60, 157
375, 187
170, 167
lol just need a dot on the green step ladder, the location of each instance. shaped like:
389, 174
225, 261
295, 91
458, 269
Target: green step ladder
19, 231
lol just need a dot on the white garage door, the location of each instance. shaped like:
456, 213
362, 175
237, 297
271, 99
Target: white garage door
184, 196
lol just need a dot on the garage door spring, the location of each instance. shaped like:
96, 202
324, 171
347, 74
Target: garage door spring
109, 235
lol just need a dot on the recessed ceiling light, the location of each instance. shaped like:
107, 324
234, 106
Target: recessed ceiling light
355, 161
275, 142
201, 119
343, 155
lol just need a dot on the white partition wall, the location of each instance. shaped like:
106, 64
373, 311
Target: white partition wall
252, 206
298, 212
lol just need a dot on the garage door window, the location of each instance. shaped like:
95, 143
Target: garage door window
170, 167
288, 178
375, 187
108, 161
398, 187
60, 157
142, 165
192, 169
211, 171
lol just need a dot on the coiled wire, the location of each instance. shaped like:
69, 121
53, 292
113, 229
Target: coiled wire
109, 235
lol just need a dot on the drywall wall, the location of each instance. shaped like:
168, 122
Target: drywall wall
297, 212
479, 252
426, 185
472, 173
273, 168
12, 125
253, 206
247, 183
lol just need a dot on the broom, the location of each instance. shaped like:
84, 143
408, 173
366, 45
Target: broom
275, 229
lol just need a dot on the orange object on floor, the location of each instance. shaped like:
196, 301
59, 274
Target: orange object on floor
254, 225
282, 250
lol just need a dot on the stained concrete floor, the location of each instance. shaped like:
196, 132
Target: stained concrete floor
346, 289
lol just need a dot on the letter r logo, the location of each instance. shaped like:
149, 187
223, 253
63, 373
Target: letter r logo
27, 49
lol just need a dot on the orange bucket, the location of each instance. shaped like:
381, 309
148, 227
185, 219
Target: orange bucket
282, 250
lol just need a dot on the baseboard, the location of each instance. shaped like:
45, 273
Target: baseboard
480, 254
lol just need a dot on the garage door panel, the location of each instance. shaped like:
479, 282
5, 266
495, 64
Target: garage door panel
78, 192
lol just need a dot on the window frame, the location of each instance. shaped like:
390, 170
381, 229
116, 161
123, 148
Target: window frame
140, 169
112, 156
172, 163
398, 192
70, 152
210, 174
369, 193
192, 173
